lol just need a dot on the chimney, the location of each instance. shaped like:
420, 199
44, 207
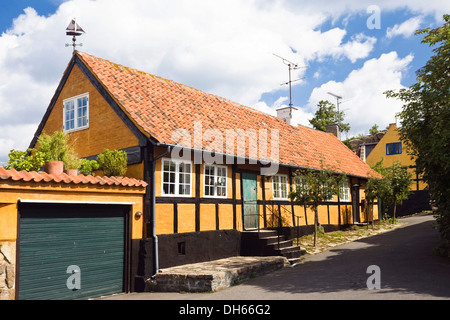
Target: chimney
334, 129
286, 113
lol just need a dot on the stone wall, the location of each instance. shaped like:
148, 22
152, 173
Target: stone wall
7, 270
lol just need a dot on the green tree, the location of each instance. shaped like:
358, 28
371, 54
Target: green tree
425, 118
327, 114
374, 129
313, 187
393, 188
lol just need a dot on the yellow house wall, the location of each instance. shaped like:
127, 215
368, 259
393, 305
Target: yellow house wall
379, 153
106, 129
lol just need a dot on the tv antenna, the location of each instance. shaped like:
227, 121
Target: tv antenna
338, 98
292, 66
74, 30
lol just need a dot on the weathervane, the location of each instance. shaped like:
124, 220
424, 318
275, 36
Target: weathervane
74, 30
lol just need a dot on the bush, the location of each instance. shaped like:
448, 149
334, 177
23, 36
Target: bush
113, 162
56, 147
88, 166
19, 160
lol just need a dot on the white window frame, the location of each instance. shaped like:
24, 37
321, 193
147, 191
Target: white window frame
215, 175
177, 178
75, 99
280, 190
344, 191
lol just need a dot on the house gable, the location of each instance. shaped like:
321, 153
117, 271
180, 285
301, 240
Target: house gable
108, 126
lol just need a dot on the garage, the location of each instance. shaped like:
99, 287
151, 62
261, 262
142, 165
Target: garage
71, 251
69, 237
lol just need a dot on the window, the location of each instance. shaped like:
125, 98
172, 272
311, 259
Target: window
215, 181
280, 186
176, 178
76, 113
393, 148
344, 191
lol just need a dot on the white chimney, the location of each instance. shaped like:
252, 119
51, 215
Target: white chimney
286, 113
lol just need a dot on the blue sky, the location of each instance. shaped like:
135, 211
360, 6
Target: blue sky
221, 47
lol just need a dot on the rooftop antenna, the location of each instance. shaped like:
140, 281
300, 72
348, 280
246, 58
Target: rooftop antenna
338, 98
292, 66
74, 30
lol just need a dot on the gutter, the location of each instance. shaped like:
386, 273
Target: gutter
154, 236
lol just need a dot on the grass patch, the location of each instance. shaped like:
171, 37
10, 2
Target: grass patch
327, 240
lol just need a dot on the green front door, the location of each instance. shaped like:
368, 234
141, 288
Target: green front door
71, 251
250, 205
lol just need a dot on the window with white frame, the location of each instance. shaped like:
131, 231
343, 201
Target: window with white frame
329, 198
176, 178
280, 186
215, 181
344, 191
76, 113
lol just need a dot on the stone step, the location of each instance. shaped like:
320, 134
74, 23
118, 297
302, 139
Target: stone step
213, 275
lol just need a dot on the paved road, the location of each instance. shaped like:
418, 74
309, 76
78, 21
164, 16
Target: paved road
408, 270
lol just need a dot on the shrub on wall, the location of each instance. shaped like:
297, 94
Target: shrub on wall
113, 162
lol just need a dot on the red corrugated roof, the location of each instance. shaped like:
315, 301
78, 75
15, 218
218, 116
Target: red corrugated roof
159, 107
43, 177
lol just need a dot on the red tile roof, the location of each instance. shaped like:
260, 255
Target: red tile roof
44, 177
159, 107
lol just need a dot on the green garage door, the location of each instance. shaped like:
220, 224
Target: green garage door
69, 251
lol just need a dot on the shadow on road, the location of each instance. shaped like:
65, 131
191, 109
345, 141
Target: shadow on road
403, 255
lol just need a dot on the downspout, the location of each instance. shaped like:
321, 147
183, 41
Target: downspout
154, 236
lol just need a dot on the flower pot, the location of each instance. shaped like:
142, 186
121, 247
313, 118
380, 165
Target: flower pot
54, 167
72, 172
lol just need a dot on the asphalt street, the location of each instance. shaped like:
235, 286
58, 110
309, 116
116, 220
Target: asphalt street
405, 268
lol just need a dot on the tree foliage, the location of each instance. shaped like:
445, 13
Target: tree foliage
393, 188
327, 114
425, 121
313, 187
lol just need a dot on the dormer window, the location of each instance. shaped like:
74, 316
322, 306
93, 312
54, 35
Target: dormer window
76, 113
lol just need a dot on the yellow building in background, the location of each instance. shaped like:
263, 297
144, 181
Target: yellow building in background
391, 149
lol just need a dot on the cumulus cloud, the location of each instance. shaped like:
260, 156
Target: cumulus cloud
363, 100
405, 29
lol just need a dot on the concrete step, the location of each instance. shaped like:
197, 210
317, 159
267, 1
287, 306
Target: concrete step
213, 275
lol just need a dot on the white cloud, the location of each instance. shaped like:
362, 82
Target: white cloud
405, 29
363, 100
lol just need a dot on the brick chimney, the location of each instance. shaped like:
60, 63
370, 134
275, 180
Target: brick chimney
286, 113
334, 129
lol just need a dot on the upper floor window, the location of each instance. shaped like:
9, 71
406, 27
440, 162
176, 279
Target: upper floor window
393, 148
76, 113
215, 181
280, 186
176, 178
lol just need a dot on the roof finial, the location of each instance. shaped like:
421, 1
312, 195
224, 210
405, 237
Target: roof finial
74, 30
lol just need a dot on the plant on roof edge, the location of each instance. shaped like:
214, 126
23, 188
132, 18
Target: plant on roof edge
55, 147
23, 160
113, 162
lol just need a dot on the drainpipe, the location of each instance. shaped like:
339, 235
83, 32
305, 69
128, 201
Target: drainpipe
154, 236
